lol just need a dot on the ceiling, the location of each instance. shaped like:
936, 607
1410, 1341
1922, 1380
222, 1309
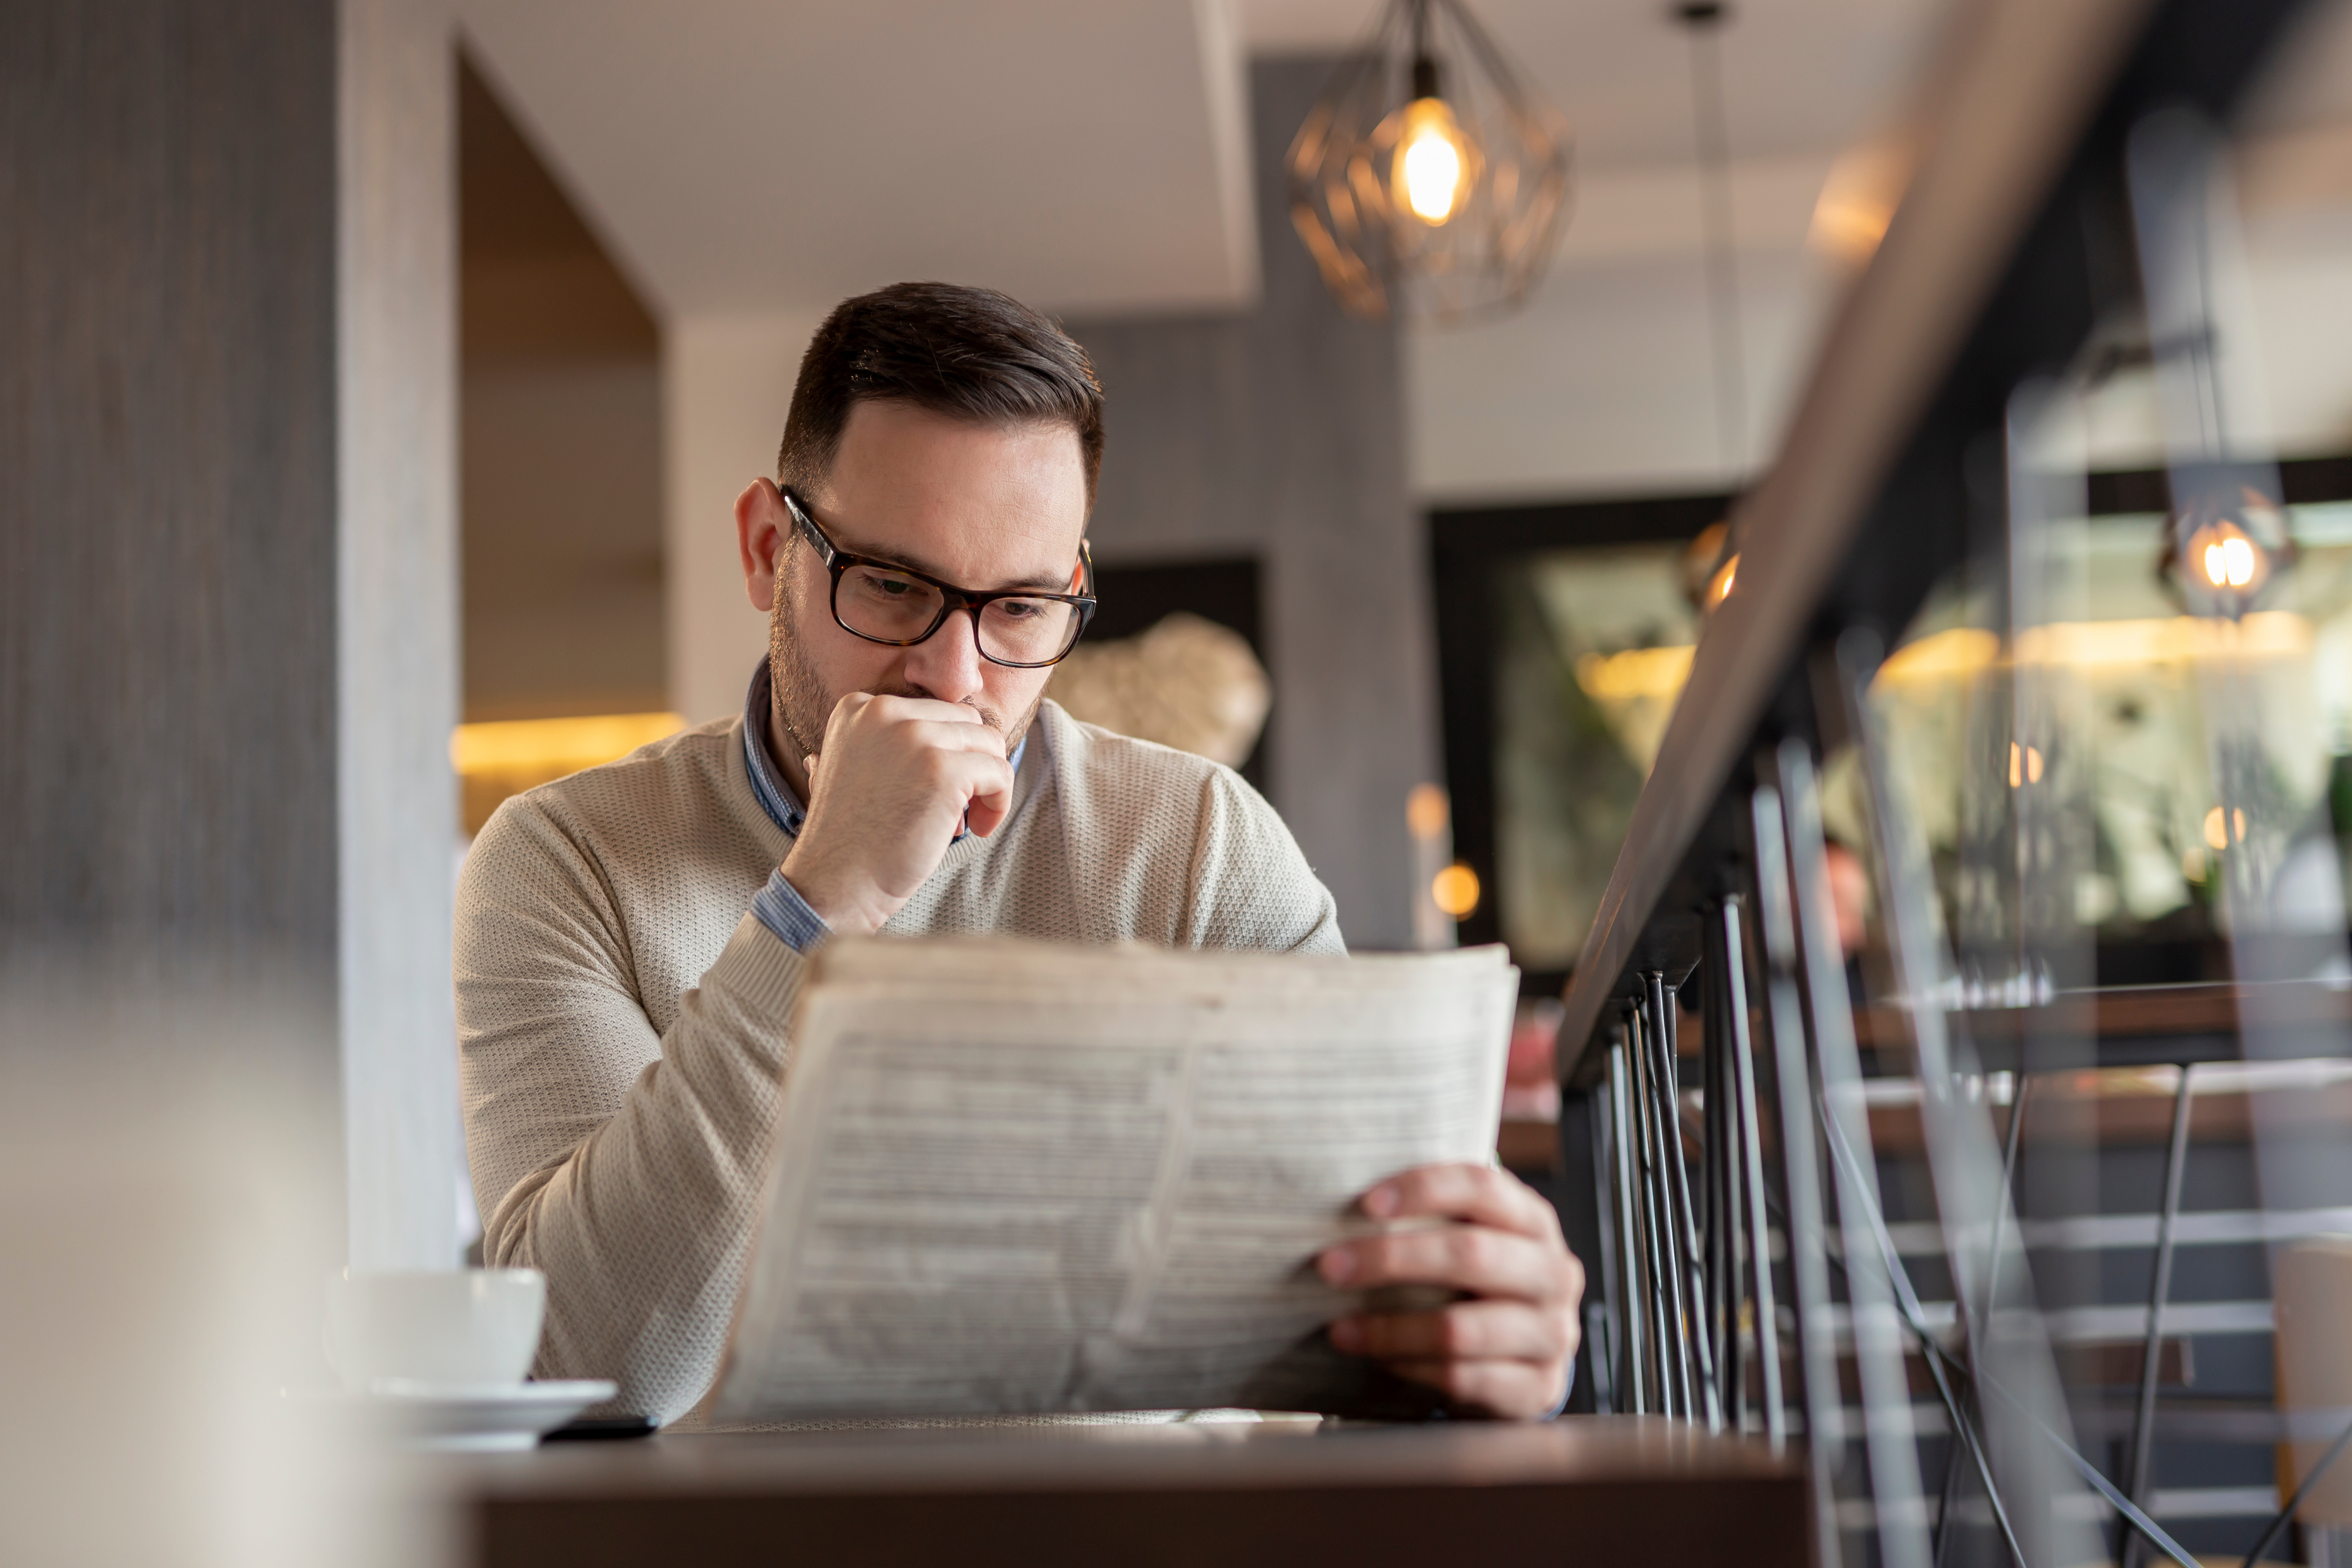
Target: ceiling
1089, 155
1092, 155
748, 154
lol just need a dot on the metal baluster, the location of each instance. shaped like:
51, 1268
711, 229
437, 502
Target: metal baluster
1673, 1180
1665, 1281
1722, 1284
1698, 1356
1658, 1297
2011, 1143
1632, 1314
2143, 1446
1888, 1435
1602, 1333
1808, 1271
1758, 1234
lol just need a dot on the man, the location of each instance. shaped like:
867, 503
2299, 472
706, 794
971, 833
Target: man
630, 940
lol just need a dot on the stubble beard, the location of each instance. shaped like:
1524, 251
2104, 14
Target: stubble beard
803, 703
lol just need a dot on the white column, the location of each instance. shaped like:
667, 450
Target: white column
727, 382
396, 620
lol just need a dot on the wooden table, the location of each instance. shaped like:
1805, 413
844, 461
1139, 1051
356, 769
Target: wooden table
1601, 1489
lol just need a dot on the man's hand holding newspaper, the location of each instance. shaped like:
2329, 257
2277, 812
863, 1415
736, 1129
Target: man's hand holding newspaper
1510, 1348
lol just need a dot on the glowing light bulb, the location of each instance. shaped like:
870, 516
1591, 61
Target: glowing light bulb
2219, 832
2228, 558
1425, 811
1431, 162
1455, 889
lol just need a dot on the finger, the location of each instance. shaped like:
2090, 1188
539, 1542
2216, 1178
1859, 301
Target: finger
930, 710
978, 780
1516, 1390
1466, 1330
947, 736
1480, 1194
1476, 1260
987, 808
850, 703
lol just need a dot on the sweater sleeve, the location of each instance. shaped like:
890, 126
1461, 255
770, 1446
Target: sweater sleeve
623, 1164
1250, 885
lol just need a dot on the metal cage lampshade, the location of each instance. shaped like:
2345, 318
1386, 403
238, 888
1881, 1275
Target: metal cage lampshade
1429, 180
2226, 545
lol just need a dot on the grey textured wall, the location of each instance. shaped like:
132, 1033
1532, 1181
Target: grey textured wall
167, 477
227, 540
1280, 432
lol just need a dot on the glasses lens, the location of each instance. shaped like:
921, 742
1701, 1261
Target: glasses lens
889, 606
1027, 631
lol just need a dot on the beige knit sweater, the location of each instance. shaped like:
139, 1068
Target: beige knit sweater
622, 1020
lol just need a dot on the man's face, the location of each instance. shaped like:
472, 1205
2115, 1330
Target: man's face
978, 506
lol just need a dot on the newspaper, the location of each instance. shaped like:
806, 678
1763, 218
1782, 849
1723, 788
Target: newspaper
1013, 1177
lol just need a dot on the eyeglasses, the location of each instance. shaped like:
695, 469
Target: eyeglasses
1017, 628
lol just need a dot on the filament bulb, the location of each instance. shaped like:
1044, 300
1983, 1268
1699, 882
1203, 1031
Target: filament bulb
2230, 560
1431, 162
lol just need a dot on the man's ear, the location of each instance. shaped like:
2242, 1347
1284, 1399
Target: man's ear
759, 541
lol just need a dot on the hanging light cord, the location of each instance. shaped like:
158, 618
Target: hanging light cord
1704, 18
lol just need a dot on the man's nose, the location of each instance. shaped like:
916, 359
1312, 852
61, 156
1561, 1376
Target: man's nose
946, 664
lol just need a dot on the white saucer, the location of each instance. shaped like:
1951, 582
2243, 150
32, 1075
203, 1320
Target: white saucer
469, 1417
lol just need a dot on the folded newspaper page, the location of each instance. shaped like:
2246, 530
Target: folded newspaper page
1011, 1176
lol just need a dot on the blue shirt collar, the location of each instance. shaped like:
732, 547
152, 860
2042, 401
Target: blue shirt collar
776, 797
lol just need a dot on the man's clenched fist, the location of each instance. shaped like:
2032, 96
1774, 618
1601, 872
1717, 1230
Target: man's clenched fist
900, 776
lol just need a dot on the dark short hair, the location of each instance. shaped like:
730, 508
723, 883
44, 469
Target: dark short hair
969, 354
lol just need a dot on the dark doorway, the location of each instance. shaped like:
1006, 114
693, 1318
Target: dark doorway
1134, 599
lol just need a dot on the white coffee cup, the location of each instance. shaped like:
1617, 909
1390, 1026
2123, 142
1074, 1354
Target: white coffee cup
447, 1327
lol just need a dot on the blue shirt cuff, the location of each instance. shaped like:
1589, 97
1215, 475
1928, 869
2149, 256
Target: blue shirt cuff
782, 910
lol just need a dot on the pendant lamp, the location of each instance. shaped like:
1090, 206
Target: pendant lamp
1430, 180
2227, 544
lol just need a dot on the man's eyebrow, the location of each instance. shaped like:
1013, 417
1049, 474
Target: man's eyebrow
1047, 583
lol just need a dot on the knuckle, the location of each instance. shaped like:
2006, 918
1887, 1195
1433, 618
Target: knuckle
1404, 1193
